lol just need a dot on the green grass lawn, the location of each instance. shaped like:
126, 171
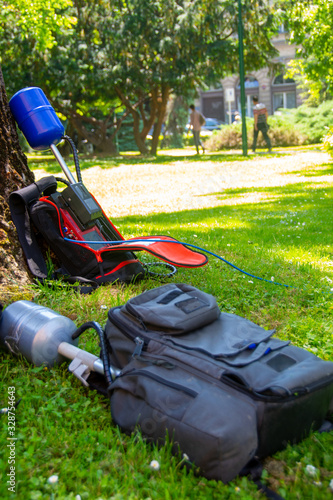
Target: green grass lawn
64, 429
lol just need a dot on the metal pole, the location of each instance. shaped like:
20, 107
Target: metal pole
62, 163
242, 77
91, 361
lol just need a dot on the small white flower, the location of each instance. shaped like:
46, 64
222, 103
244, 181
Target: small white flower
78, 497
53, 479
228, 244
272, 278
331, 485
237, 489
104, 307
195, 235
186, 457
250, 281
311, 470
154, 465
317, 483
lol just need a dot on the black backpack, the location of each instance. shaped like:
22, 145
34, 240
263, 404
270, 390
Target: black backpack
221, 388
76, 230
38, 217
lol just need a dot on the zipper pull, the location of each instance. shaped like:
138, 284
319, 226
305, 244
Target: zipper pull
139, 346
133, 312
141, 322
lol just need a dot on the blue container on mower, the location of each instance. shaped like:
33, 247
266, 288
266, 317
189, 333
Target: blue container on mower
36, 118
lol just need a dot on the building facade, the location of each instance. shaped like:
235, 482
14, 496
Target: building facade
275, 91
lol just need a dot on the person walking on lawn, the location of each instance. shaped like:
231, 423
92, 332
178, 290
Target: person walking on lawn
260, 123
196, 121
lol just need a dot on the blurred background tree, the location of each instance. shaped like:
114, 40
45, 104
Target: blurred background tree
311, 27
123, 60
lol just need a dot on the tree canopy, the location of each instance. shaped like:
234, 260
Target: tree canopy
134, 54
311, 27
36, 19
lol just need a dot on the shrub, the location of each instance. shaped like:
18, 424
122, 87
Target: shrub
288, 127
328, 141
229, 137
312, 122
281, 133
284, 134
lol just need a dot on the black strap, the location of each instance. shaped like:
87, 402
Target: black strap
85, 285
326, 426
267, 491
254, 470
19, 203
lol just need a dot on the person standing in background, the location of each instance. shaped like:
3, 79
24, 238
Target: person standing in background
196, 122
260, 123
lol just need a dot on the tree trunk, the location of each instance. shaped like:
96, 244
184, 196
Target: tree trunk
139, 137
161, 106
14, 174
140, 142
98, 138
176, 122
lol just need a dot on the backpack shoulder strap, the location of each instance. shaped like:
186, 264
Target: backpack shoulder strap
19, 203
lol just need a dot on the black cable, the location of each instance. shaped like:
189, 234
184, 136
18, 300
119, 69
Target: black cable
104, 353
155, 274
176, 242
64, 181
75, 155
186, 244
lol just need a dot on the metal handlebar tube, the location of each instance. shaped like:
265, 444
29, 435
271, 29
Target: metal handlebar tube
84, 362
70, 351
62, 164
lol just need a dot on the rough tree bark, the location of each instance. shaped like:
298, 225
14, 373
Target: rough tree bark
137, 112
161, 107
14, 174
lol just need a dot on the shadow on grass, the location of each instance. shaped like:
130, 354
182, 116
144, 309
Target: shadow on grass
296, 215
293, 189
51, 166
323, 169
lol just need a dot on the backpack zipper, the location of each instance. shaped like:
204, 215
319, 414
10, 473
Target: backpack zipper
129, 332
161, 380
137, 316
